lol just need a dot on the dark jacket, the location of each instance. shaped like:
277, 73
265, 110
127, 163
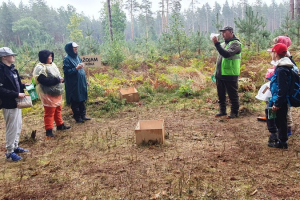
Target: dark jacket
234, 48
8, 88
75, 80
280, 82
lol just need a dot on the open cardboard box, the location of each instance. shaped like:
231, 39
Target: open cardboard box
150, 131
130, 94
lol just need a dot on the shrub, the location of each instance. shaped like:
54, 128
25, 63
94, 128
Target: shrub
185, 89
112, 53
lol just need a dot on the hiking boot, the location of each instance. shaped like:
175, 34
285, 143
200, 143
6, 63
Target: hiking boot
231, 116
289, 132
79, 120
21, 150
220, 114
85, 118
272, 143
262, 119
280, 145
62, 127
12, 157
49, 133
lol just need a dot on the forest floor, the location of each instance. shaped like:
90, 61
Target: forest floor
203, 157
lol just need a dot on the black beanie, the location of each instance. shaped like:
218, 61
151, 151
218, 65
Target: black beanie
44, 54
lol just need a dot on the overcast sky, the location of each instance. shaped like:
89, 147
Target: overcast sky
91, 8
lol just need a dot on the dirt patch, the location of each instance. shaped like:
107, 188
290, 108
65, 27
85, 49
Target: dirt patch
203, 158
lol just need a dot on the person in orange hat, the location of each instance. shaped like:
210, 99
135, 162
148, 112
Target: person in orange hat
278, 102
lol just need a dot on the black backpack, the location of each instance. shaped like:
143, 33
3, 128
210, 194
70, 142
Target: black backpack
294, 90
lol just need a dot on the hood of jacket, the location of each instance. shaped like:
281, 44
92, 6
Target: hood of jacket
285, 61
69, 50
44, 54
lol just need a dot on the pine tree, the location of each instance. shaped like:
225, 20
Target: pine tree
109, 20
73, 27
227, 14
217, 21
295, 30
250, 25
6, 21
132, 6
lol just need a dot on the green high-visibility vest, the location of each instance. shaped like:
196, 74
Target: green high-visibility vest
231, 66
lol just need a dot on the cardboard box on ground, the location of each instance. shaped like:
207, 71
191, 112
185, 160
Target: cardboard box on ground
150, 131
130, 94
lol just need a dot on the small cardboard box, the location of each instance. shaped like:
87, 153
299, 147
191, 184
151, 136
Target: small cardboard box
130, 94
150, 130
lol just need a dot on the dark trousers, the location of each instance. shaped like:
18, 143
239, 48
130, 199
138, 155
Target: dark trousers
79, 110
230, 87
281, 123
271, 124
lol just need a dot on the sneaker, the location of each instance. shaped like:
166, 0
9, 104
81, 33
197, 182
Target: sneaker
262, 119
280, 145
21, 150
12, 157
220, 114
62, 127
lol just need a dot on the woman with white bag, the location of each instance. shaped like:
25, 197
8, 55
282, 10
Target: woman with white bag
11, 89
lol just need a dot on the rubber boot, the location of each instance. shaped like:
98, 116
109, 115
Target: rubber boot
49, 133
62, 127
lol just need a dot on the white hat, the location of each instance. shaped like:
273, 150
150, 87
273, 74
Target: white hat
74, 44
5, 51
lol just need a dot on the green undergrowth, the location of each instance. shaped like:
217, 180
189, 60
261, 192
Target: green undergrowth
169, 81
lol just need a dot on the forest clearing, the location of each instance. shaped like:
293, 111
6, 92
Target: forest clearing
169, 57
203, 157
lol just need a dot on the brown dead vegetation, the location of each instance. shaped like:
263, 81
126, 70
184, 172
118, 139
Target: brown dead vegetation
203, 157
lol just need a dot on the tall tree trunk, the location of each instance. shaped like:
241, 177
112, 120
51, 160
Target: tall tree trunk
167, 16
19, 41
131, 15
206, 20
109, 20
298, 33
147, 31
193, 27
292, 8
297, 8
163, 15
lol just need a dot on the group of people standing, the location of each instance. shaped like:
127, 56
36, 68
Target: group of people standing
227, 73
49, 86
